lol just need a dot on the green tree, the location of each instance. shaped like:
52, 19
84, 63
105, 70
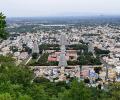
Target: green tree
78, 91
5, 96
114, 90
34, 55
24, 97
36, 91
3, 33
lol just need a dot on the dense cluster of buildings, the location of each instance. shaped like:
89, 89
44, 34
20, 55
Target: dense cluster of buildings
22, 46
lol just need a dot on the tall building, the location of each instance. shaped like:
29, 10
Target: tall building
63, 40
62, 59
90, 48
35, 48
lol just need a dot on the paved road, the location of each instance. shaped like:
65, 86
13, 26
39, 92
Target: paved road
28, 60
38, 58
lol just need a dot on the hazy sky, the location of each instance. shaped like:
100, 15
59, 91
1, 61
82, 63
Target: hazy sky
18, 8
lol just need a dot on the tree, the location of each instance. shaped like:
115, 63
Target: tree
78, 91
37, 92
34, 55
5, 59
3, 33
5, 96
41, 80
97, 70
24, 97
114, 90
99, 51
15, 84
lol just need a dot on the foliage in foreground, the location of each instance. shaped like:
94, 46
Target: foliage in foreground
3, 33
16, 83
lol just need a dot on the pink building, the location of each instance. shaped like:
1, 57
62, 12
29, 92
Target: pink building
70, 56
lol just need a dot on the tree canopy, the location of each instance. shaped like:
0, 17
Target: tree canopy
3, 33
19, 83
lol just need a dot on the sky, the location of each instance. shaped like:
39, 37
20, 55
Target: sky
37, 8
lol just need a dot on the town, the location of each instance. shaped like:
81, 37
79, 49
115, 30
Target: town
61, 52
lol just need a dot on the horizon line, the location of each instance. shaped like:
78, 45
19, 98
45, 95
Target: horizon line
63, 16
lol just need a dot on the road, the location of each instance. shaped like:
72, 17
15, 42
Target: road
28, 60
38, 58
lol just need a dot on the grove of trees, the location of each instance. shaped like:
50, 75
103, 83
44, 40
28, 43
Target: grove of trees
18, 83
99, 51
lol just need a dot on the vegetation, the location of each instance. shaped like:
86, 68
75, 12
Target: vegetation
43, 61
99, 51
48, 47
87, 58
84, 57
16, 83
72, 62
34, 55
13, 48
97, 70
78, 47
3, 33
90, 35
5, 59
52, 63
